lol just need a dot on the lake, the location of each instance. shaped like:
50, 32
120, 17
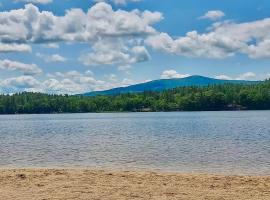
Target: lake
203, 142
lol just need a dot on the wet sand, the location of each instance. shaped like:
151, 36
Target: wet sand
46, 184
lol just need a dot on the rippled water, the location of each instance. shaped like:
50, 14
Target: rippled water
222, 142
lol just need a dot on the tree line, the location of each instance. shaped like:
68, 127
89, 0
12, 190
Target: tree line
210, 98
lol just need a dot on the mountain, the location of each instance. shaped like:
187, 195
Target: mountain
163, 84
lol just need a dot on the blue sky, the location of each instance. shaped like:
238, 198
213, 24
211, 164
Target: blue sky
68, 46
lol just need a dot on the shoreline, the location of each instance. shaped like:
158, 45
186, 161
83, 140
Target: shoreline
120, 112
238, 173
115, 184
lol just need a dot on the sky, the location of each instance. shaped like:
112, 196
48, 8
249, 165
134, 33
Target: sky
77, 46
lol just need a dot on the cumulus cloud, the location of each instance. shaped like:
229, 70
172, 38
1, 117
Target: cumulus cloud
62, 86
51, 58
27, 69
223, 40
261, 50
71, 82
213, 15
100, 23
224, 77
35, 1
19, 84
51, 45
54, 84
74, 86
31, 25
196, 45
118, 2
124, 68
114, 51
122, 2
7, 48
244, 76
168, 74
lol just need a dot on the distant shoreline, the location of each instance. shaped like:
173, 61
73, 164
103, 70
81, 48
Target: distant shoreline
32, 184
60, 113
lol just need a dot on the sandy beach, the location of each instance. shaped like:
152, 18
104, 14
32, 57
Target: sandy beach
46, 184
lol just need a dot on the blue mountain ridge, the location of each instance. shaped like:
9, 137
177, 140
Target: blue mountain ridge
164, 84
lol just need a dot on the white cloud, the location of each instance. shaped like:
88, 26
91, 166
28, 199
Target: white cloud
73, 82
261, 50
51, 58
114, 52
70, 82
100, 23
71, 74
19, 84
169, 74
35, 1
161, 41
245, 76
62, 86
195, 45
124, 67
122, 2
51, 45
140, 54
213, 15
27, 69
31, 25
6, 48
224, 40
224, 77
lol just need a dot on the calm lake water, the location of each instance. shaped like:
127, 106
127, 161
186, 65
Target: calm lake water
215, 142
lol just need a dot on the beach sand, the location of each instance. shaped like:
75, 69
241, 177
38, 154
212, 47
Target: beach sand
46, 184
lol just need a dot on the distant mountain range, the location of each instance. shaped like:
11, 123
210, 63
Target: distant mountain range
164, 84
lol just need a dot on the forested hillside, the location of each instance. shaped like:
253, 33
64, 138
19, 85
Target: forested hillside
209, 98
